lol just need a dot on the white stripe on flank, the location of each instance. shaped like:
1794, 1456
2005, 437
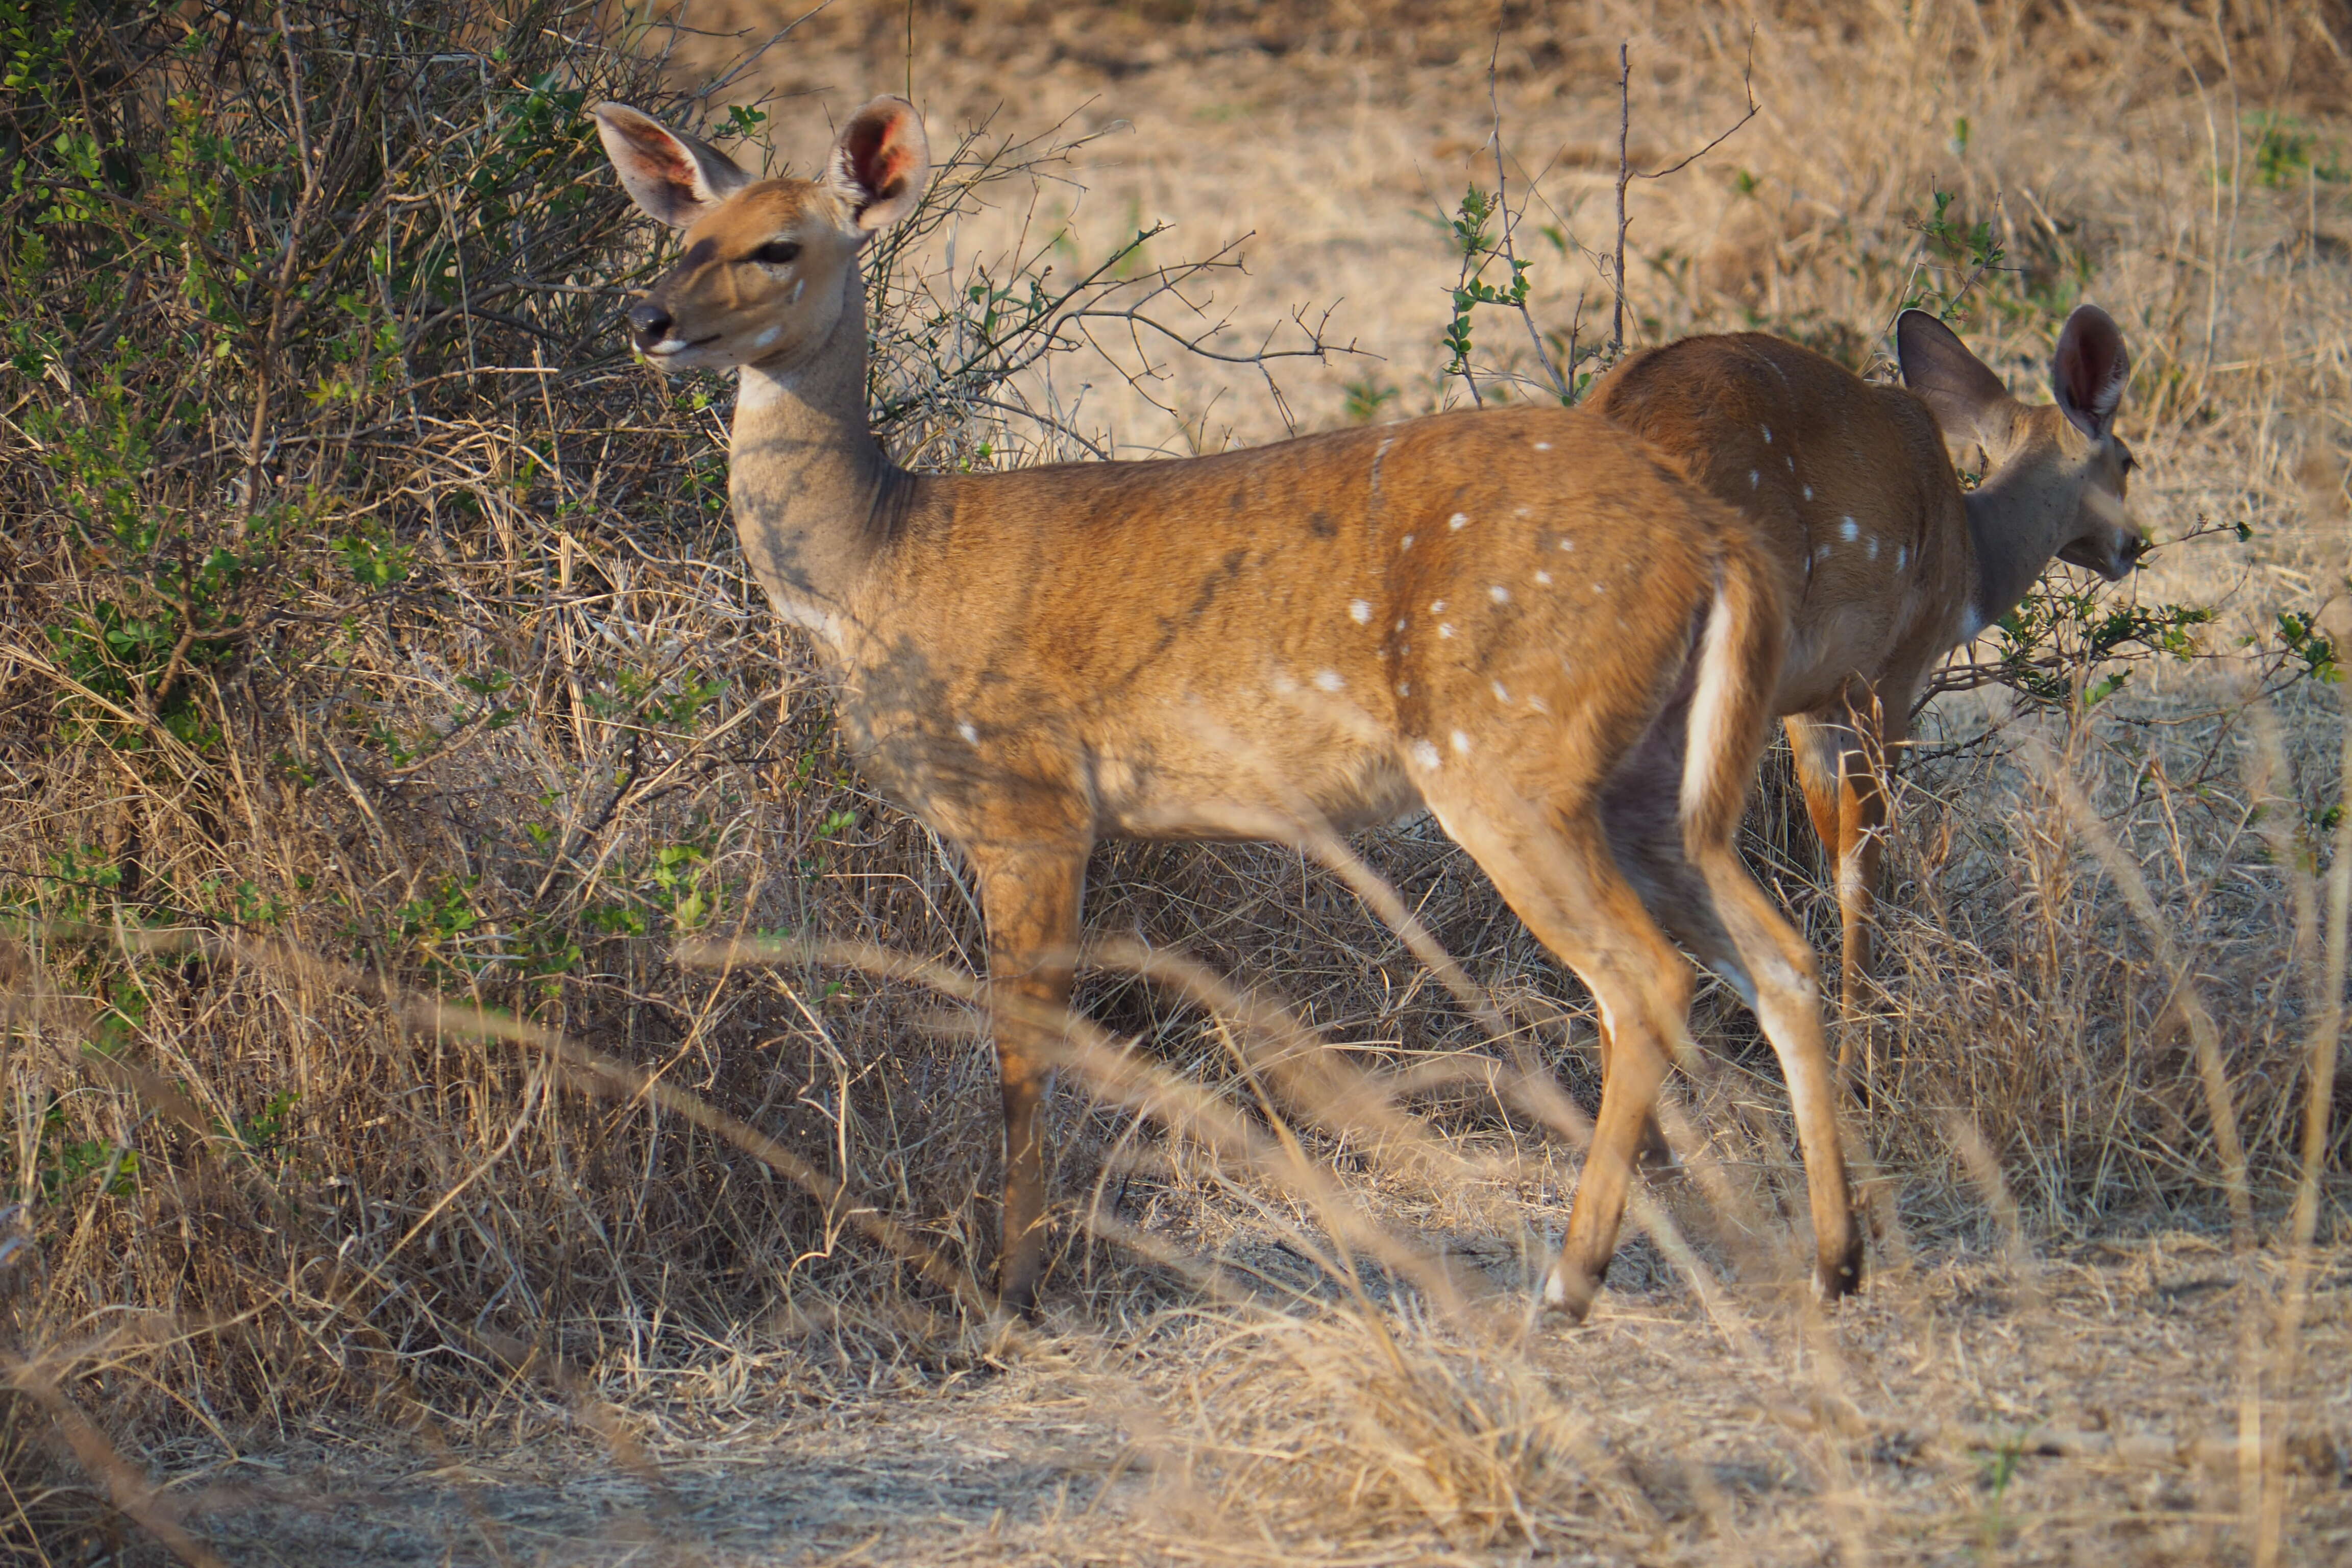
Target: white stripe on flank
1710, 708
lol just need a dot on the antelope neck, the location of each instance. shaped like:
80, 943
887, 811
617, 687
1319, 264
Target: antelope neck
2014, 518
811, 488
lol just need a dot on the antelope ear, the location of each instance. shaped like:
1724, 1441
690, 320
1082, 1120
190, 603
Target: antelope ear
2088, 372
1958, 387
676, 178
880, 162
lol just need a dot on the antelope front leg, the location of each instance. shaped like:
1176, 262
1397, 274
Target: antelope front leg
1837, 764
1862, 814
1031, 898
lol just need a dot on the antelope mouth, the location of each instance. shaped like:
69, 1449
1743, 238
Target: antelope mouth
2113, 564
670, 348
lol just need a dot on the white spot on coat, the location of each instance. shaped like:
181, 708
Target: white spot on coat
1458, 522
1404, 689
769, 336
1502, 693
1566, 542
1754, 479
1443, 630
1767, 433
1399, 626
1499, 594
1902, 553
1543, 579
971, 735
1461, 744
1808, 492
1543, 445
1848, 528
1425, 755
1328, 679
1360, 611
1437, 607
1406, 542
1873, 547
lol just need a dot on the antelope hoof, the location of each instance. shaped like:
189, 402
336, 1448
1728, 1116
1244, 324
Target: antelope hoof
1017, 1297
1568, 1294
1839, 1275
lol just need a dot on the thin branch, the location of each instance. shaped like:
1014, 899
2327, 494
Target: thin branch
1511, 222
1624, 124
1747, 85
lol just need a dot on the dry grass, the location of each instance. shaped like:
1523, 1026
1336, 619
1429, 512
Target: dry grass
424, 1156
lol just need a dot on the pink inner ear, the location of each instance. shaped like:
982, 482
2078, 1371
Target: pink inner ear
666, 161
877, 157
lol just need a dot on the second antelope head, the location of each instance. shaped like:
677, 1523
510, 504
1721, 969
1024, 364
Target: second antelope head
2066, 454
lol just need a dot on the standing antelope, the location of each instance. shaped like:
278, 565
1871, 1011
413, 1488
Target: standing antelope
1884, 565
1520, 620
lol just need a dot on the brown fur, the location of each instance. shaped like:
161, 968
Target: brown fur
1882, 565
1513, 619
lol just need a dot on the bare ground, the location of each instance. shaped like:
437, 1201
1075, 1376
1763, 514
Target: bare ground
2081, 1408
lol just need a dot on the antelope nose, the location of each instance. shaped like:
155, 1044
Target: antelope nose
649, 321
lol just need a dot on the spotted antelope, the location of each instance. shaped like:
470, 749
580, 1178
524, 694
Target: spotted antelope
1520, 621
1883, 564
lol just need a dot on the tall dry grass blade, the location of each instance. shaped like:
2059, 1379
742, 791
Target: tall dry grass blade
2203, 1034
1120, 1076
1984, 1168
126, 1486
1319, 1082
2319, 1097
605, 1074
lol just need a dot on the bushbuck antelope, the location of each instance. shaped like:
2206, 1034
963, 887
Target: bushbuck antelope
1884, 565
1522, 621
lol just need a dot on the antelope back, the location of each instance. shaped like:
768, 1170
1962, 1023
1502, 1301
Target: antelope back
1846, 484
1201, 648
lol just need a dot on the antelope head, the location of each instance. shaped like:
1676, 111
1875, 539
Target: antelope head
2064, 459
767, 264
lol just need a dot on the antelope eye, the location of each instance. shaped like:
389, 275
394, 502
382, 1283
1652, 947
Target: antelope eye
778, 252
